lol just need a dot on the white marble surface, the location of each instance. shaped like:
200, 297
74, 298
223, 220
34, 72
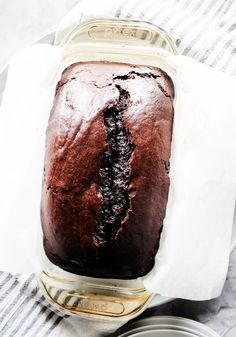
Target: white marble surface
22, 22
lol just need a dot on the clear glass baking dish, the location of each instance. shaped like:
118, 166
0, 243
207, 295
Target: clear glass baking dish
132, 42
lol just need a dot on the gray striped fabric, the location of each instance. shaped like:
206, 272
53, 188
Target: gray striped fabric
23, 309
204, 30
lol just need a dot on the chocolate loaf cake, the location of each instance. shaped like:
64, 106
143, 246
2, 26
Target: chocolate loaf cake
106, 181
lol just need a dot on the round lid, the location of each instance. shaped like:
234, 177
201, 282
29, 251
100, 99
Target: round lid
166, 326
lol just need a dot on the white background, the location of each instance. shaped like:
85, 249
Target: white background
24, 21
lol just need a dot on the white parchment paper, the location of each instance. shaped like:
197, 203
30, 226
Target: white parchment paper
193, 257
27, 100
192, 260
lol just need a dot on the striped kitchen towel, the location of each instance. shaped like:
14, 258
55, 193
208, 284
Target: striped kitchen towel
204, 30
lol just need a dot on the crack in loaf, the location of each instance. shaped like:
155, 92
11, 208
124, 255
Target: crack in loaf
106, 180
114, 172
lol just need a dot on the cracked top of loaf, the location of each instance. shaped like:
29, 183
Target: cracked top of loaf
106, 181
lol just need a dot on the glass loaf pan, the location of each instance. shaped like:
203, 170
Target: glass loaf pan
126, 41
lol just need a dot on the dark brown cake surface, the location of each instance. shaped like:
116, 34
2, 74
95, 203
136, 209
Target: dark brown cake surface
106, 181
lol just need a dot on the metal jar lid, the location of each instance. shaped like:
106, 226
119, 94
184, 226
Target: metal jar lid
166, 326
